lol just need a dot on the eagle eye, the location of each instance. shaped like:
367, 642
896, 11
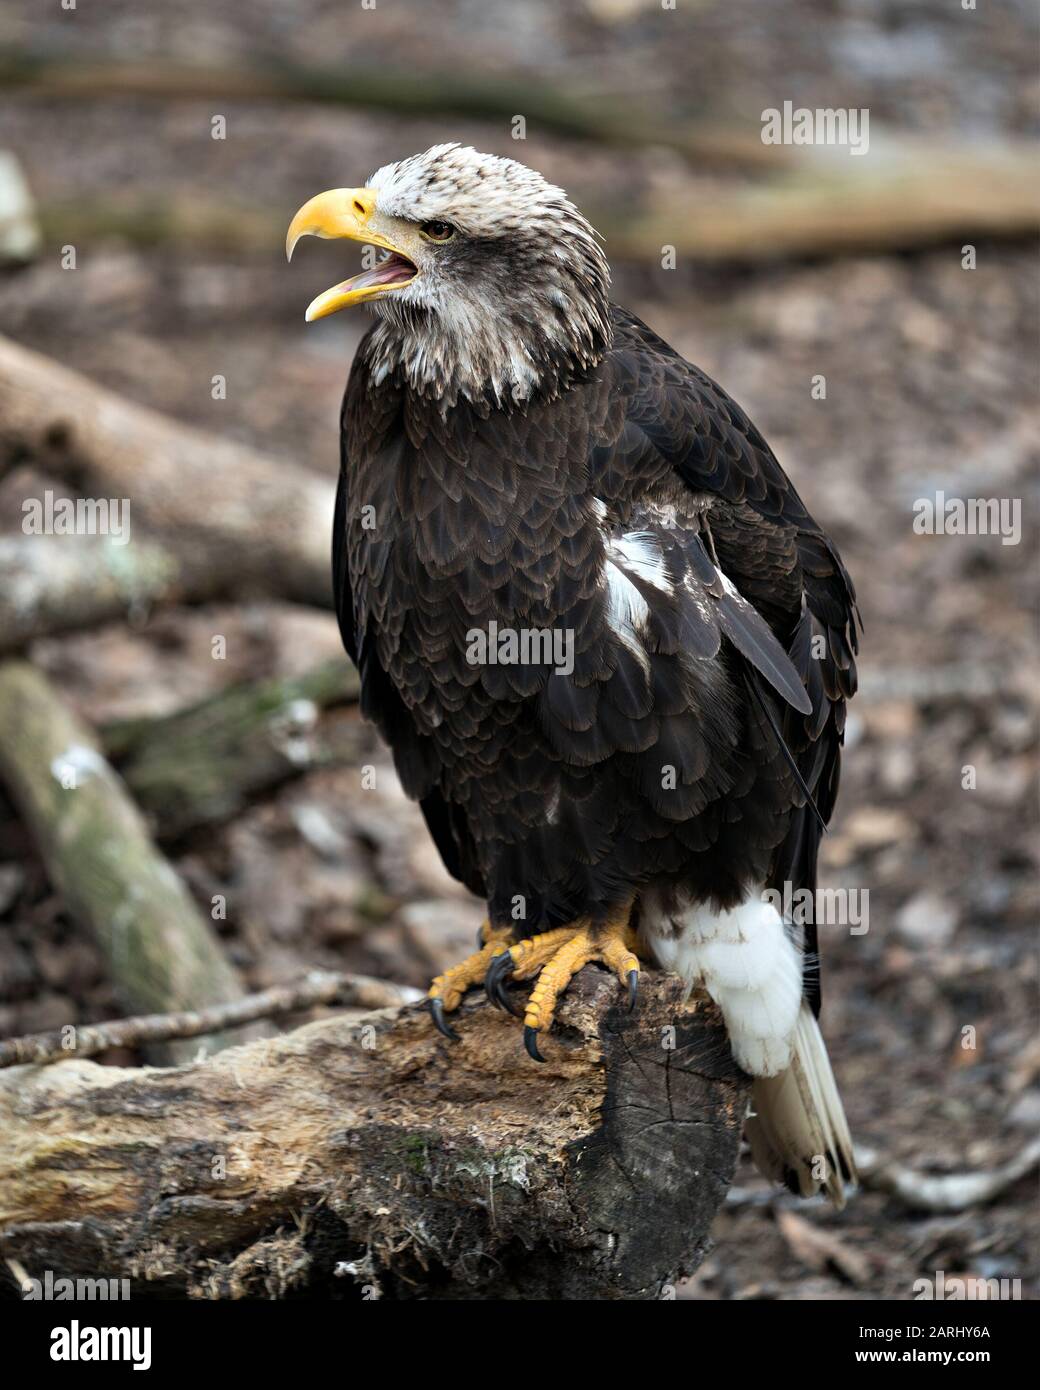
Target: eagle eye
437, 231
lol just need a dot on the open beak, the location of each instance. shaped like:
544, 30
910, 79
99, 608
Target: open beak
346, 212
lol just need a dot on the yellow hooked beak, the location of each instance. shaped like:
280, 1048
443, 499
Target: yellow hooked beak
347, 212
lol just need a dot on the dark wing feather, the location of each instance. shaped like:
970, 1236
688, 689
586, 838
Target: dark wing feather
777, 557
451, 834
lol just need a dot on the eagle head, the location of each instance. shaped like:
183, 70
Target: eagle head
490, 283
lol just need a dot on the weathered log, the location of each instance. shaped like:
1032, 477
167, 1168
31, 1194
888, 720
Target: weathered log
319, 987
373, 1158
910, 195
609, 118
234, 518
54, 584
202, 765
160, 951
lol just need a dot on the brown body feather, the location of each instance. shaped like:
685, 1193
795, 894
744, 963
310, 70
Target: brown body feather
548, 787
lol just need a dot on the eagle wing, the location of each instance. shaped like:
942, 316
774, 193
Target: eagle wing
773, 552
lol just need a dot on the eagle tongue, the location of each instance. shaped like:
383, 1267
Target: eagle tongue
388, 272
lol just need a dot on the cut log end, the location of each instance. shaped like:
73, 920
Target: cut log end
371, 1158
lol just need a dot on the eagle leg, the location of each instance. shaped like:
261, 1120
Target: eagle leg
486, 933
446, 991
613, 943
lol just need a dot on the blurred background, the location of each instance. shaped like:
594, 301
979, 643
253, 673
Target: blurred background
789, 264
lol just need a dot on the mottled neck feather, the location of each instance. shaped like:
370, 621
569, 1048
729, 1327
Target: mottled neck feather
522, 328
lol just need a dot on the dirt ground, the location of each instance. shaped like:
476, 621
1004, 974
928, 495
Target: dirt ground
930, 376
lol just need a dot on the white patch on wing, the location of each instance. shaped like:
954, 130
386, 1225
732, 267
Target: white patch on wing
695, 590
665, 514
636, 554
626, 606
640, 552
730, 587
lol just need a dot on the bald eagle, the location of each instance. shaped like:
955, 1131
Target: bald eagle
608, 645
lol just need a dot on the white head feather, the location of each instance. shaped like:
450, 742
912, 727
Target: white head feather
516, 303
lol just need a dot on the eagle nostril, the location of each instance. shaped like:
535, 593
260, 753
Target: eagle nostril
359, 207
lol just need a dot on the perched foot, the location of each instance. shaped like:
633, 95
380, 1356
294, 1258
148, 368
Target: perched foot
556, 956
524, 959
445, 994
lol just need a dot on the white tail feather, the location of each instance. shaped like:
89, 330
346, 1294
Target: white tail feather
798, 1131
750, 966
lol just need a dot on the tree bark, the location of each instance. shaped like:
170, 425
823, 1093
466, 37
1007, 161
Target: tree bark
161, 952
371, 1158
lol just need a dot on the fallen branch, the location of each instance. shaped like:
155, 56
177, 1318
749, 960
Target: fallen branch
953, 681
234, 519
320, 987
944, 1192
54, 584
202, 765
372, 1157
609, 118
160, 951
908, 196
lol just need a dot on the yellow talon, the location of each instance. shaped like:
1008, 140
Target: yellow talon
453, 984
554, 956
533, 952
568, 949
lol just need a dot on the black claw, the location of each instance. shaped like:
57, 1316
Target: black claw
531, 1043
442, 1024
633, 988
481, 943
498, 971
